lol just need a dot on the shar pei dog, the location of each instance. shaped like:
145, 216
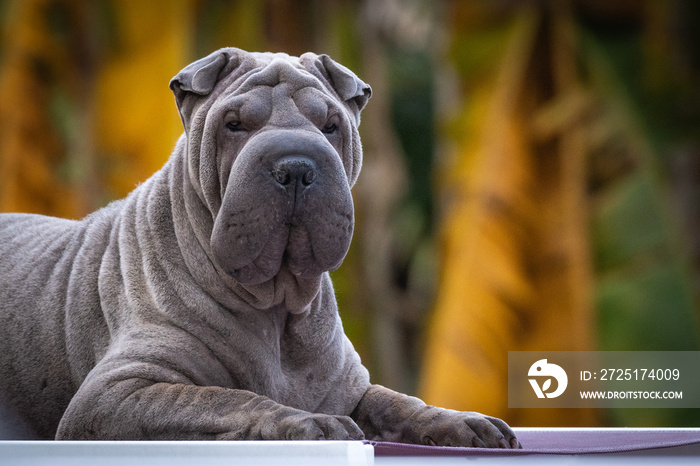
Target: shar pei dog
200, 306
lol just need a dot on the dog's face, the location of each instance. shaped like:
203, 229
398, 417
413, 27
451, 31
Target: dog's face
274, 151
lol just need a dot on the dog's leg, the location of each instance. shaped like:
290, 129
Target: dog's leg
390, 416
121, 408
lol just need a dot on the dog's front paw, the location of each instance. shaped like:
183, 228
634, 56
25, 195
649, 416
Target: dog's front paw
464, 429
310, 426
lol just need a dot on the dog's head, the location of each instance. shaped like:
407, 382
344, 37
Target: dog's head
273, 151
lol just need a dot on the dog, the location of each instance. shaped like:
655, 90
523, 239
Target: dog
200, 306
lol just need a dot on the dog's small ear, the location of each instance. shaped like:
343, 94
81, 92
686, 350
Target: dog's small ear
199, 78
349, 87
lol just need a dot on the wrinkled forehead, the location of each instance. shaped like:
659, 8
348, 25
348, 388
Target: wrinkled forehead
276, 87
271, 70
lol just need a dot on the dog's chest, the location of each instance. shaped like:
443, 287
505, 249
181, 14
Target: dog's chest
293, 359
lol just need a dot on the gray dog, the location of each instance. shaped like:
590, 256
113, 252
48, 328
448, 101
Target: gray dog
200, 307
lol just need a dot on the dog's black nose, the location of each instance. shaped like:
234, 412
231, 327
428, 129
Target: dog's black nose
290, 171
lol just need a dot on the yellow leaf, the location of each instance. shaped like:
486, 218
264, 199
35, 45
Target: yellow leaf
507, 272
136, 120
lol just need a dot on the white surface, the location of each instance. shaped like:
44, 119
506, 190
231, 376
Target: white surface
328, 453
19, 453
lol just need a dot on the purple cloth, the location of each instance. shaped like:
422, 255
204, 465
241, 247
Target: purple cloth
560, 441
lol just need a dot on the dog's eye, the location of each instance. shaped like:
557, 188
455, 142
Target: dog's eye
330, 128
235, 126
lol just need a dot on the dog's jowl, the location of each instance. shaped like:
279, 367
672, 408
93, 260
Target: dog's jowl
200, 306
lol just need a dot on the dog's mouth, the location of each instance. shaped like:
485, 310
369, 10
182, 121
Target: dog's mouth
277, 254
307, 238
295, 253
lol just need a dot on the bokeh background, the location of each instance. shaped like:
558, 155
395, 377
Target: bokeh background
531, 176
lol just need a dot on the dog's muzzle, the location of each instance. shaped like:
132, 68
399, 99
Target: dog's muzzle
298, 213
